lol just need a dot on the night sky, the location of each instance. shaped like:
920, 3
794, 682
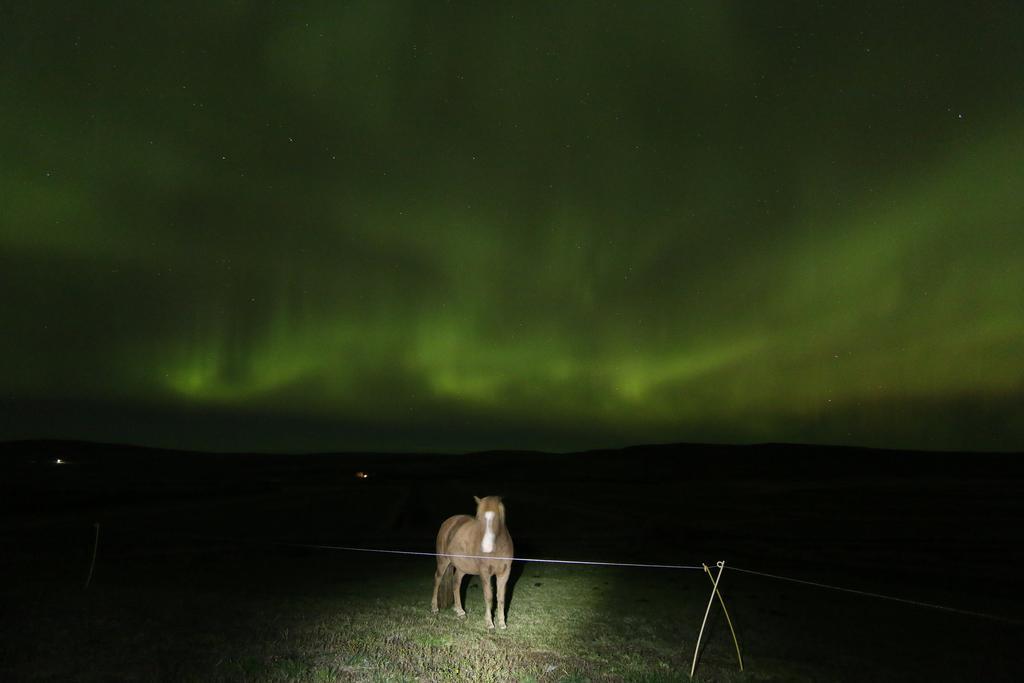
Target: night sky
449, 226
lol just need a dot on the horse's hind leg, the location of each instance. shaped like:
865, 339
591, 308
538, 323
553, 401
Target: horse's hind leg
485, 581
502, 579
457, 594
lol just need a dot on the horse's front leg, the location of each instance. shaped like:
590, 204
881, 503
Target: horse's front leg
502, 579
459, 612
485, 580
438, 576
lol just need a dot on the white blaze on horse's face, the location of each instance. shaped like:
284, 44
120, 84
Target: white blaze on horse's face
487, 545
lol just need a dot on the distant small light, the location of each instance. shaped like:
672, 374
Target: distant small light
362, 475
58, 461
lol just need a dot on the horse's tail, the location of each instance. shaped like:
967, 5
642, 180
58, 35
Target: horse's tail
446, 591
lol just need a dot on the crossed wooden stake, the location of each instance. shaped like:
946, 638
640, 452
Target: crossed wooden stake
714, 591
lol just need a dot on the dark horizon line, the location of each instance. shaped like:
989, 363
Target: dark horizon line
40, 441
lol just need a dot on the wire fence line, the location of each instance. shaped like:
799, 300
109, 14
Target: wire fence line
419, 553
881, 596
641, 565
516, 559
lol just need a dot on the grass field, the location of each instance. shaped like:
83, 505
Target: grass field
191, 585
273, 615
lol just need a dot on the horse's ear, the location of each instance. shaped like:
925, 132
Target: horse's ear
476, 499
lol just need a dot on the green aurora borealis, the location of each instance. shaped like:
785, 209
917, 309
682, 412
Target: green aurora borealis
395, 225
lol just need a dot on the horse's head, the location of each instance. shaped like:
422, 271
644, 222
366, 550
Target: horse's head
490, 504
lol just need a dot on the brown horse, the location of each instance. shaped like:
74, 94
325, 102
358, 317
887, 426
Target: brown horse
474, 545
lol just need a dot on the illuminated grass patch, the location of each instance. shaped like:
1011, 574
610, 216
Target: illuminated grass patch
279, 624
